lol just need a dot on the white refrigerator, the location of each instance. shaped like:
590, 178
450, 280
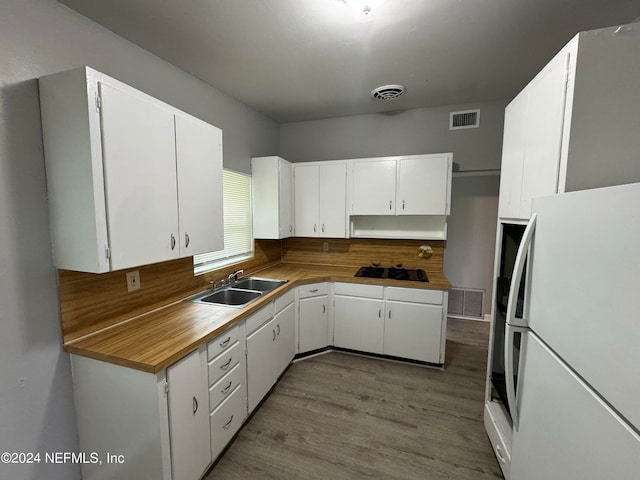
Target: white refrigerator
574, 382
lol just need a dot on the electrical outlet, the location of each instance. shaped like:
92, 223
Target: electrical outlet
325, 247
133, 281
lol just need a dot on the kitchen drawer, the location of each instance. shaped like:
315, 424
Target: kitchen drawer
224, 363
503, 455
313, 290
417, 295
226, 420
285, 299
359, 290
223, 341
224, 387
256, 320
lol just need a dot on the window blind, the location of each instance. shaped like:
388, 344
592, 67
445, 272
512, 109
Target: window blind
238, 238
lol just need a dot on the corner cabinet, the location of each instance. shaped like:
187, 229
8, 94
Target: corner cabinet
320, 199
569, 129
313, 317
272, 197
129, 177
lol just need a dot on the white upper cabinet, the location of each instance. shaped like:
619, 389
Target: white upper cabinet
571, 127
320, 192
424, 185
374, 187
131, 180
272, 193
411, 185
199, 167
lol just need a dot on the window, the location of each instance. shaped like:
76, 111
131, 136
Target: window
238, 237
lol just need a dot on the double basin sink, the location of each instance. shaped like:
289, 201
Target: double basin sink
241, 293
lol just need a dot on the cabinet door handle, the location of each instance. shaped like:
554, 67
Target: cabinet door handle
225, 390
173, 241
379, 313
290, 228
226, 365
314, 228
390, 204
324, 308
323, 227
195, 405
389, 314
186, 240
225, 344
228, 424
403, 204
278, 328
274, 335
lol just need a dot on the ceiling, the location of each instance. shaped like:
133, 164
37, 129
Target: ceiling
296, 60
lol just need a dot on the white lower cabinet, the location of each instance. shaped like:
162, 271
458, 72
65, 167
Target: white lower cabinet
188, 426
227, 380
399, 322
270, 347
313, 316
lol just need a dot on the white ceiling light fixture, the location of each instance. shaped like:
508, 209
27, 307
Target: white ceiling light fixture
363, 7
387, 92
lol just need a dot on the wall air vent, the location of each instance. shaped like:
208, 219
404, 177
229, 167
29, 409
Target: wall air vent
466, 119
466, 303
387, 92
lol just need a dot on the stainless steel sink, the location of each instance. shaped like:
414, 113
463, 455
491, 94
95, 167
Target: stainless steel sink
229, 297
259, 284
241, 294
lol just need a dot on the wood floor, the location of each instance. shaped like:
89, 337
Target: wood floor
339, 416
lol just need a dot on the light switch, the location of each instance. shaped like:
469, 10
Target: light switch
133, 281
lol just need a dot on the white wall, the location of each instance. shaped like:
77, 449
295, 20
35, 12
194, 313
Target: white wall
471, 235
38, 37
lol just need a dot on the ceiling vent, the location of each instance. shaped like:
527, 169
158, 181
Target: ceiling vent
466, 119
387, 92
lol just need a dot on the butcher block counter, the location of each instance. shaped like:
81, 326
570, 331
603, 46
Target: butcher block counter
157, 339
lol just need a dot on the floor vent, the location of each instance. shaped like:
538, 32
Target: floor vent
465, 119
467, 303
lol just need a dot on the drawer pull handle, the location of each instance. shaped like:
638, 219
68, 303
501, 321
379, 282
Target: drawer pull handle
195, 405
225, 343
499, 454
226, 365
313, 290
226, 389
228, 424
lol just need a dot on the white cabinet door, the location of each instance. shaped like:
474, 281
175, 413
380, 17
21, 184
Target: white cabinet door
423, 186
545, 116
285, 179
515, 116
199, 157
307, 198
140, 179
333, 200
313, 323
189, 417
413, 330
262, 362
374, 187
359, 323
285, 338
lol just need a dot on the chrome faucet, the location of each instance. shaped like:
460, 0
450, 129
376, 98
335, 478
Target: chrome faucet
233, 277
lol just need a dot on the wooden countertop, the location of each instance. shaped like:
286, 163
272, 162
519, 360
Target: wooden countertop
155, 340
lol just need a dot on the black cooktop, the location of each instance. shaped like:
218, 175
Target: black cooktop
393, 273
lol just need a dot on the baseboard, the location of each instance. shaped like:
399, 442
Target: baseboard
485, 318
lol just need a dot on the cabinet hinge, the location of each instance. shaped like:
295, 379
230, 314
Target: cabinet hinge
567, 80
98, 102
166, 389
107, 252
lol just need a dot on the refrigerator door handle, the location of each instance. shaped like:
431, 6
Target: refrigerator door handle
509, 331
518, 267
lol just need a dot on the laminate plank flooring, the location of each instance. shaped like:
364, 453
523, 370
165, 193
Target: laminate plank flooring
339, 416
